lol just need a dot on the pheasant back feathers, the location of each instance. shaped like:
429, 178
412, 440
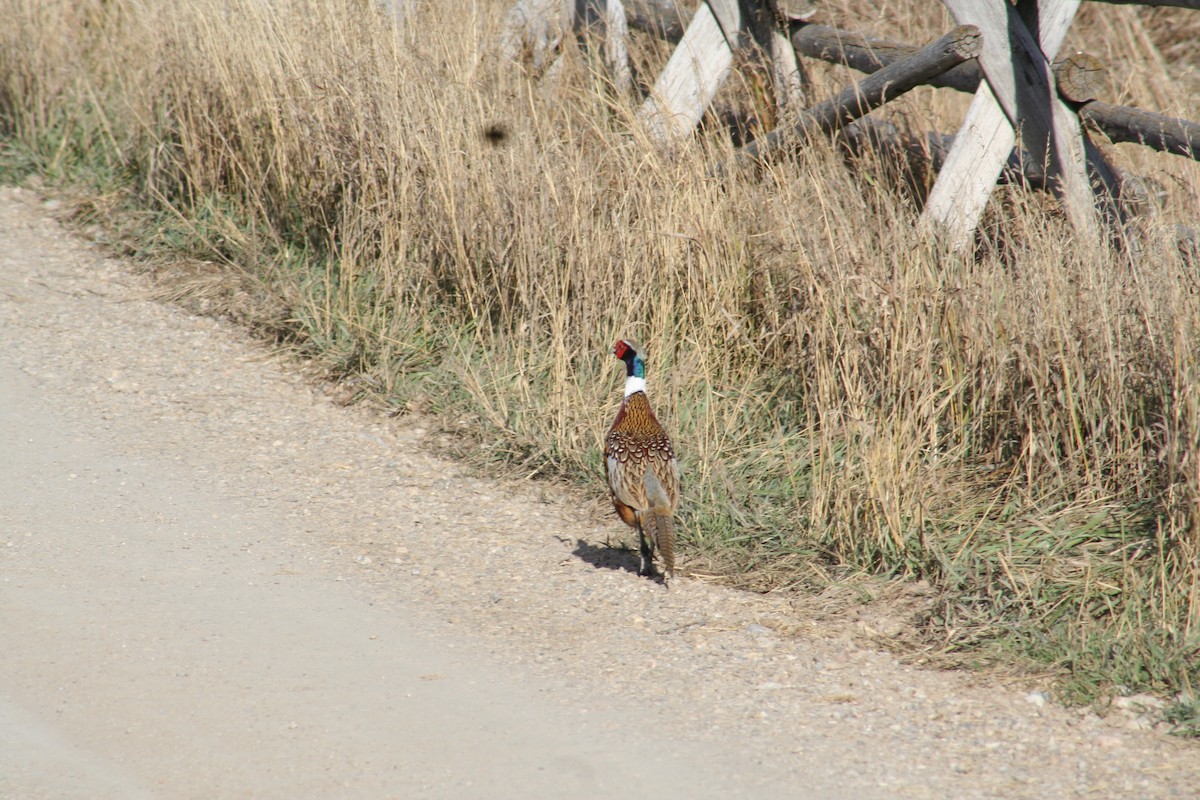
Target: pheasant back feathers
636, 442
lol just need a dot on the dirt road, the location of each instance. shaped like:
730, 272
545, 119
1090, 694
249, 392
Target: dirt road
216, 583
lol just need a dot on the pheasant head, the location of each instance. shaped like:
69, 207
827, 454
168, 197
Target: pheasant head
635, 365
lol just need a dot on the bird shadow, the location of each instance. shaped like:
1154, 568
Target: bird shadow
609, 556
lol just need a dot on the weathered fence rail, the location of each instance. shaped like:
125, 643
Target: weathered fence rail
886, 84
870, 54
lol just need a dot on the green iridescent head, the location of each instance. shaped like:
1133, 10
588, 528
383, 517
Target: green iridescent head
631, 354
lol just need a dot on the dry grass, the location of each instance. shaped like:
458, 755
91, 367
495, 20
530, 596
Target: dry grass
1019, 427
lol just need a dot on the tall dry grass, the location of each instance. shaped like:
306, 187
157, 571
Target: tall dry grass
1018, 426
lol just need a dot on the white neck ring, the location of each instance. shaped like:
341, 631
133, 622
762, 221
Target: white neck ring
634, 385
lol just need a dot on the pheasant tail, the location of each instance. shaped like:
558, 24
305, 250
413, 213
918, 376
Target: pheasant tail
661, 528
658, 520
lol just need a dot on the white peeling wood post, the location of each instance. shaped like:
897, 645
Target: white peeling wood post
695, 71
616, 48
536, 27
605, 20
703, 58
1017, 96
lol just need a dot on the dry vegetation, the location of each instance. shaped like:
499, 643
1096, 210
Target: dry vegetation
1019, 428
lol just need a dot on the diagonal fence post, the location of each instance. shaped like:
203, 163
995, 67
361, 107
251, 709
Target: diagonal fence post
1017, 98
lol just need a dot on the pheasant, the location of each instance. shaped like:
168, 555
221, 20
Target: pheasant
640, 466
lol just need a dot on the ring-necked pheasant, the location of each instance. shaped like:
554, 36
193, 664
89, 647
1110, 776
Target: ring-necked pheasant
640, 466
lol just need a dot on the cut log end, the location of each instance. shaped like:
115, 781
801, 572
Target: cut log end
1080, 78
787, 11
964, 41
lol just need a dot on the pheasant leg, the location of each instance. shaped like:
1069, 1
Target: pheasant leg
647, 567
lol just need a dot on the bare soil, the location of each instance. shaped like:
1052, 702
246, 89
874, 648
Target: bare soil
215, 581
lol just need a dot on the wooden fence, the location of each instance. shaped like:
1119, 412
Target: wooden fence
1031, 116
